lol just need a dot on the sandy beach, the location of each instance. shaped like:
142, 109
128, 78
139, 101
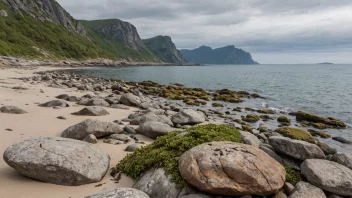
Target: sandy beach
40, 121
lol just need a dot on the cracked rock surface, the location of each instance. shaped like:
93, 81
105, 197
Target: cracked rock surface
229, 168
58, 160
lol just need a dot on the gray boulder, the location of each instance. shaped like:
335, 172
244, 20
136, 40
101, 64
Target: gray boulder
120, 106
271, 152
91, 139
156, 184
188, 117
306, 190
151, 117
58, 160
97, 102
344, 159
55, 103
295, 148
89, 126
130, 99
154, 129
92, 111
329, 176
12, 110
250, 139
120, 193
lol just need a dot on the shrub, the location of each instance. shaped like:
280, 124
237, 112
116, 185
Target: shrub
166, 150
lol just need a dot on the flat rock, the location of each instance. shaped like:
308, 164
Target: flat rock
306, 190
154, 129
229, 168
156, 184
12, 110
92, 111
55, 103
188, 117
89, 126
58, 160
329, 176
344, 159
250, 139
297, 149
120, 193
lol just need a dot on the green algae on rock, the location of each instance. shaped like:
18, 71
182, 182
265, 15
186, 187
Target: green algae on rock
295, 133
252, 118
284, 120
217, 105
166, 150
266, 111
321, 134
320, 122
292, 176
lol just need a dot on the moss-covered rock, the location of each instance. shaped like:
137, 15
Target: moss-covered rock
263, 129
292, 176
266, 111
249, 109
239, 121
252, 118
217, 105
295, 133
312, 118
238, 109
227, 95
321, 134
284, 120
247, 128
319, 125
166, 150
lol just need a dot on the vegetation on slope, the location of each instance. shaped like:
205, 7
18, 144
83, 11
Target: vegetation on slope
166, 150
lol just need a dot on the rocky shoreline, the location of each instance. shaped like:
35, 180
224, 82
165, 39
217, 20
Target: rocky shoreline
202, 148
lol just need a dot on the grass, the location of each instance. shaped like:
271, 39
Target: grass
166, 150
295, 133
292, 176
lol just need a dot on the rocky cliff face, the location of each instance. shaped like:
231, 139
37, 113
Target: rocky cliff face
46, 10
224, 55
165, 49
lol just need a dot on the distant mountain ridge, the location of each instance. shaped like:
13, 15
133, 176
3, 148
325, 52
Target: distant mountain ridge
165, 49
225, 55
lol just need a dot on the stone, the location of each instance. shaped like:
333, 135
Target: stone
288, 187
62, 96
196, 196
326, 148
3, 13
271, 153
130, 99
97, 102
329, 176
61, 118
129, 130
121, 137
154, 129
12, 110
250, 139
157, 184
342, 140
297, 149
133, 147
343, 158
112, 141
120, 106
229, 168
188, 117
55, 103
89, 126
334, 196
306, 190
58, 160
92, 111
293, 163
90, 139
151, 117
73, 99
280, 194
120, 193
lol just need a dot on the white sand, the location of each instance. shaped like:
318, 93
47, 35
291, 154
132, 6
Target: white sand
40, 121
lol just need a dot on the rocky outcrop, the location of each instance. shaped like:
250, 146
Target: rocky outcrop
46, 10
120, 193
165, 49
329, 176
228, 168
224, 55
89, 126
58, 160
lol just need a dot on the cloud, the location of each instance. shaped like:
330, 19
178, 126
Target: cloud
262, 27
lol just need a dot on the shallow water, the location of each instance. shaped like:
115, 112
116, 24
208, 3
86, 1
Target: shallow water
325, 90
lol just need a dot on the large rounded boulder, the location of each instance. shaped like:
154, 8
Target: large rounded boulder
188, 116
154, 129
120, 193
233, 169
58, 160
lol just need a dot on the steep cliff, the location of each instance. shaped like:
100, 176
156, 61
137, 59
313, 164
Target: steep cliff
120, 38
224, 55
165, 49
46, 10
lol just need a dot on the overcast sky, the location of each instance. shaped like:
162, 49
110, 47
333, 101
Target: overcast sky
273, 31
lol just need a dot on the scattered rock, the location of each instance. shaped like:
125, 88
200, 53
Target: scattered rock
250, 139
154, 129
328, 122
122, 137
55, 103
280, 194
342, 140
329, 176
8, 130
61, 118
89, 126
97, 102
120, 193
91, 139
133, 147
188, 117
58, 160
326, 148
130, 99
112, 141
92, 111
288, 187
306, 190
120, 106
344, 159
297, 149
12, 110
129, 130
284, 120
226, 168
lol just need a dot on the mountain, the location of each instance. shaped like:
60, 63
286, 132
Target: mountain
165, 49
119, 38
224, 55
